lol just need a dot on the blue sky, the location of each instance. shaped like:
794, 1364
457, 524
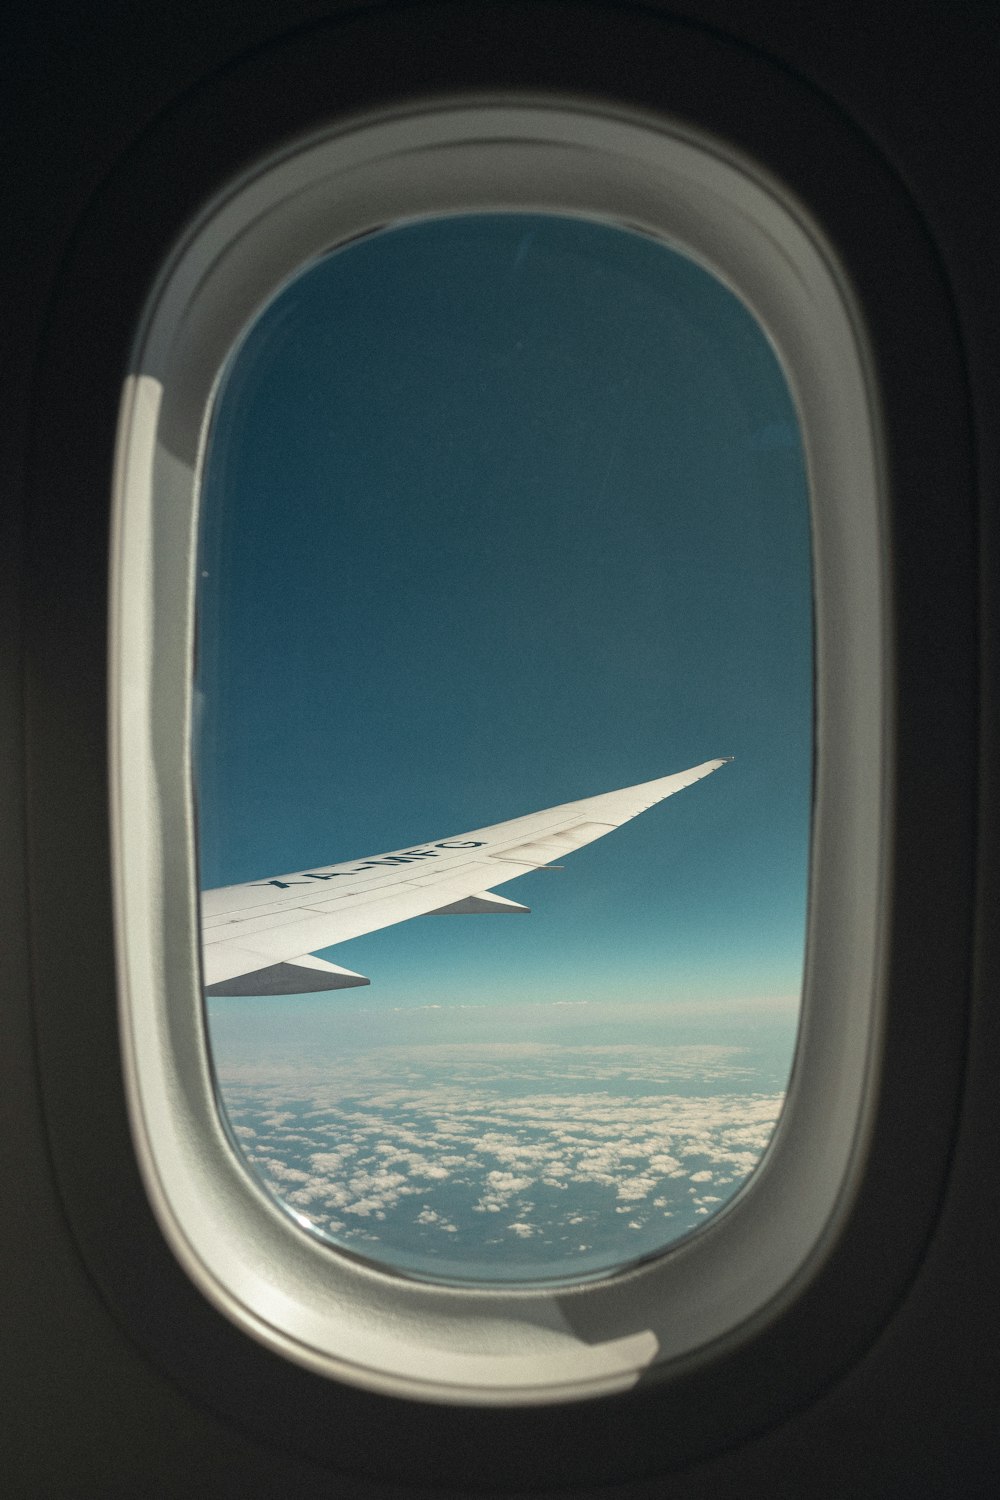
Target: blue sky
502, 511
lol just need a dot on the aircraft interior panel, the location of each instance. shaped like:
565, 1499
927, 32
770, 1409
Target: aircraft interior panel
140, 1358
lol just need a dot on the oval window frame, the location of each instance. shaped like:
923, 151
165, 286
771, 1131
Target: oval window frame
321, 1308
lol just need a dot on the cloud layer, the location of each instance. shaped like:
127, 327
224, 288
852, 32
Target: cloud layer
510, 1161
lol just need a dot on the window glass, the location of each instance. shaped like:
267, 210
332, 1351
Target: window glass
498, 512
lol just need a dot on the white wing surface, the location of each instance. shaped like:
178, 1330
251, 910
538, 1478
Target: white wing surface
260, 938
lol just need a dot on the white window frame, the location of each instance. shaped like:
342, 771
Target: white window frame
319, 1306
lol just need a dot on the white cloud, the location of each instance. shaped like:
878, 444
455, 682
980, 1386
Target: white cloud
281, 1170
636, 1187
506, 1182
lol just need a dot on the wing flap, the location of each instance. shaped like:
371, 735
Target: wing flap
488, 901
301, 976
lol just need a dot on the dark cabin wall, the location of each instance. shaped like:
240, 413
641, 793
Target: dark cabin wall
84, 1410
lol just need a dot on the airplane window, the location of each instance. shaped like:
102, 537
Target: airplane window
504, 552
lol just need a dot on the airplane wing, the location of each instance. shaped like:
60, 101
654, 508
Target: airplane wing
260, 938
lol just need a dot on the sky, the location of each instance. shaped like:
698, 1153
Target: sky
500, 511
